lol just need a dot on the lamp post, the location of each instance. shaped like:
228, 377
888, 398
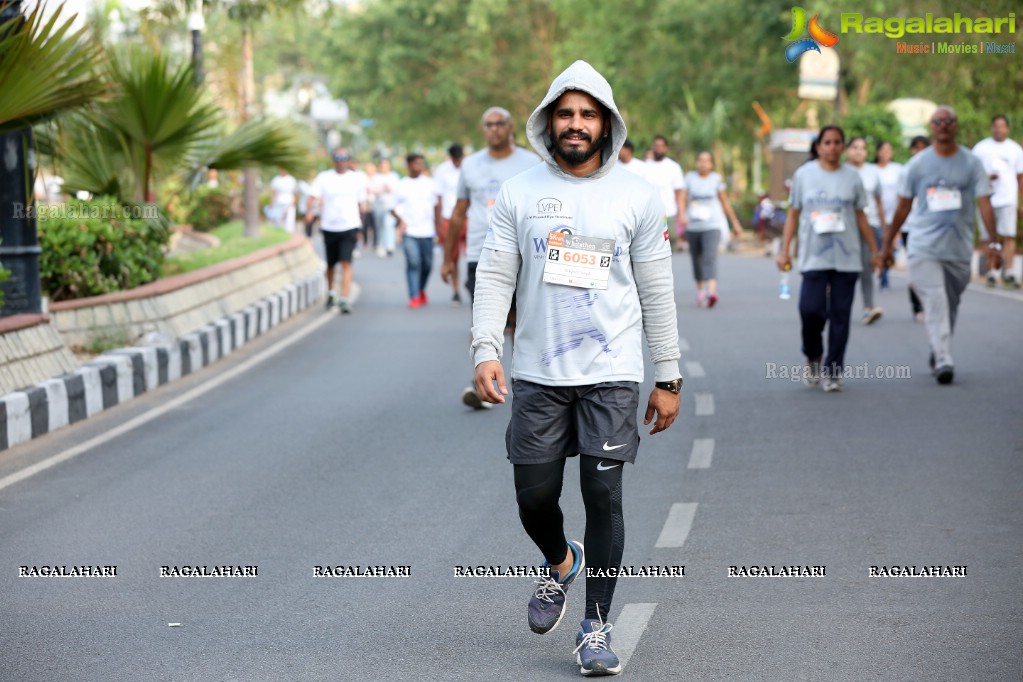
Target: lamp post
19, 241
197, 24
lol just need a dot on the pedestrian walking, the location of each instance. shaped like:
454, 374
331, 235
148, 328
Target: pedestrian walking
826, 206
948, 183
446, 176
483, 174
707, 212
666, 175
1003, 160
856, 156
340, 195
583, 243
414, 204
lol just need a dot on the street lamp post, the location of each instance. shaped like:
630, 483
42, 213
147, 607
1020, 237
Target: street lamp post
19, 241
197, 24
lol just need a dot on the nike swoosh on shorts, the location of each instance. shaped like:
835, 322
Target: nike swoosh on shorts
609, 448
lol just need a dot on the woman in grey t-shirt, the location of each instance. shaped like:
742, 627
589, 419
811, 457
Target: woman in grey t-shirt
856, 155
705, 211
827, 205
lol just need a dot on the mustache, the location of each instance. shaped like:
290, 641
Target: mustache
576, 133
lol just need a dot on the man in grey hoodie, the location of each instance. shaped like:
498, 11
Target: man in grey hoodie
583, 242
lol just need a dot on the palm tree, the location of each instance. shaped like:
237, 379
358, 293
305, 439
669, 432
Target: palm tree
247, 13
157, 123
45, 69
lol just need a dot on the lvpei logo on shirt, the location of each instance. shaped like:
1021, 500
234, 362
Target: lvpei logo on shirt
818, 36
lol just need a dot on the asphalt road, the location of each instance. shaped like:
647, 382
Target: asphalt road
350, 446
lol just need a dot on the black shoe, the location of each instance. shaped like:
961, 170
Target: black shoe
944, 375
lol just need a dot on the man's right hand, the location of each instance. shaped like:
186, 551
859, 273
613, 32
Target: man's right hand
784, 261
447, 270
486, 374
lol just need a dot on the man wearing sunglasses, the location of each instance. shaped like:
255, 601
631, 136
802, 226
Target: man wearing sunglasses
946, 180
342, 196
482, 175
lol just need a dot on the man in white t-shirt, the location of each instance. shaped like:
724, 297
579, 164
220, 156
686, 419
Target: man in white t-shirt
414, 202
627, 160
341, 195
482, 175
666, 175
582, 244
446, 177
1003, 161
282, 199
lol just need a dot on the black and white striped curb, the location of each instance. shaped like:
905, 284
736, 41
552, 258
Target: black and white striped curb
120, 375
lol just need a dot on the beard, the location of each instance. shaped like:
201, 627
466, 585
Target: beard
659, 156
577, 156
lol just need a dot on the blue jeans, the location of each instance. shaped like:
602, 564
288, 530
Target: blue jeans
418, 263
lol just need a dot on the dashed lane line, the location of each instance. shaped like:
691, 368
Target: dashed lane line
703, 451
676, 527
704, 404
631, 623
695, 369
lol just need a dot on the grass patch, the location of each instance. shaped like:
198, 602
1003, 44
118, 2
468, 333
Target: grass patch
107, 340
232, 245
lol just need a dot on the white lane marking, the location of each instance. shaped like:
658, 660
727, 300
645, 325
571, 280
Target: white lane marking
704, 404
683, 346
703, 450
152, 414
695, 369
631, 623
676, 527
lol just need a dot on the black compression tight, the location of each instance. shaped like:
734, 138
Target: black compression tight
537, 490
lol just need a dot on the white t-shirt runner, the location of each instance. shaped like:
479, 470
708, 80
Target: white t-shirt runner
480, 181
666, 176
414, 200
284, 187
1005, 159
341, 194
570, 335
446, 178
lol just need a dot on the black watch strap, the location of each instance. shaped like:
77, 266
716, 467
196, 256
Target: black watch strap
675, 385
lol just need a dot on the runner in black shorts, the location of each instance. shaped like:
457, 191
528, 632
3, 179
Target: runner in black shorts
342, 195
581, 243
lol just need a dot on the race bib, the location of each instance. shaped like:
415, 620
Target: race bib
699, 211
826, 222
577, 261
943, 199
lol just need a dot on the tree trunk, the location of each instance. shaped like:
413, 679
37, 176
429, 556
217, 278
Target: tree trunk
250, 195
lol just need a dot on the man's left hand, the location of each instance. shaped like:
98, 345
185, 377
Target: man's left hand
663, 404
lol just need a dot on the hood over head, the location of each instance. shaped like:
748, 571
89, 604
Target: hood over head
583, 77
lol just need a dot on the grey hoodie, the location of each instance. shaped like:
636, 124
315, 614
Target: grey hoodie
583, 77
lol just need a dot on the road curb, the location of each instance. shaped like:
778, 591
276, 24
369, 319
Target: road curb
123, 374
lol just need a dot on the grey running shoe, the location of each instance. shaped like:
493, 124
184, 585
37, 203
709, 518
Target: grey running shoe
331, 300
872, 315
944, 374
812, 373
991, 282
547, 605
833, 385
1009, 282
345, 307
471, 398
593, 650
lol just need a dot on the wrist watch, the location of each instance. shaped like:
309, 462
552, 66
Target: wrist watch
675, 385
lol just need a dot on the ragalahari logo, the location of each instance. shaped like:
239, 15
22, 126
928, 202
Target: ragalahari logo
818, 36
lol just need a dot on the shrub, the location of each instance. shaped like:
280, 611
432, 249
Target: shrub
211, 207
98, 247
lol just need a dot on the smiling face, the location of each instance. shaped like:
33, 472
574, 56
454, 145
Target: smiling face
578, 128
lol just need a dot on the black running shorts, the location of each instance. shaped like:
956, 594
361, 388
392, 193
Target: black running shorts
549, 423
338, 246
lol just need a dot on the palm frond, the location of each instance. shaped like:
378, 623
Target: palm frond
45, 68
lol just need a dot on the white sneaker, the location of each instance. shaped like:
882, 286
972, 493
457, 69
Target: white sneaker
833, 385
872, 315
